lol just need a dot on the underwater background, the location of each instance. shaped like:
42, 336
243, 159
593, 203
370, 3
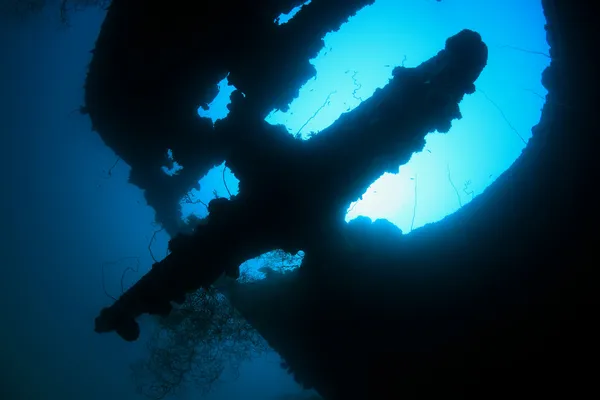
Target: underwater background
72, 225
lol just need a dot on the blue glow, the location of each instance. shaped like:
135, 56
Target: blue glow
277, 260
497, 119
454, 167
218, 182
217, 109
285, 18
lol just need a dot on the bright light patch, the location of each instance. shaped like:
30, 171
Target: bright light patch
217, 109
285, 18
174, 167
271, 263
218, 182
497, 119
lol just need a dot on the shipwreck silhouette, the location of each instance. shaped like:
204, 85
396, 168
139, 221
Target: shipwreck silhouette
483, 302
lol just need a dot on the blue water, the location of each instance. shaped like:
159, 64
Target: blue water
454, 167
64, 215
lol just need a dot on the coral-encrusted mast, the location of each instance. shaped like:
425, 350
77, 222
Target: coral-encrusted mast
292, 193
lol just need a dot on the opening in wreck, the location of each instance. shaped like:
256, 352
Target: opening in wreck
453, 168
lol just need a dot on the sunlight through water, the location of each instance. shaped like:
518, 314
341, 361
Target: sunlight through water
454, 167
